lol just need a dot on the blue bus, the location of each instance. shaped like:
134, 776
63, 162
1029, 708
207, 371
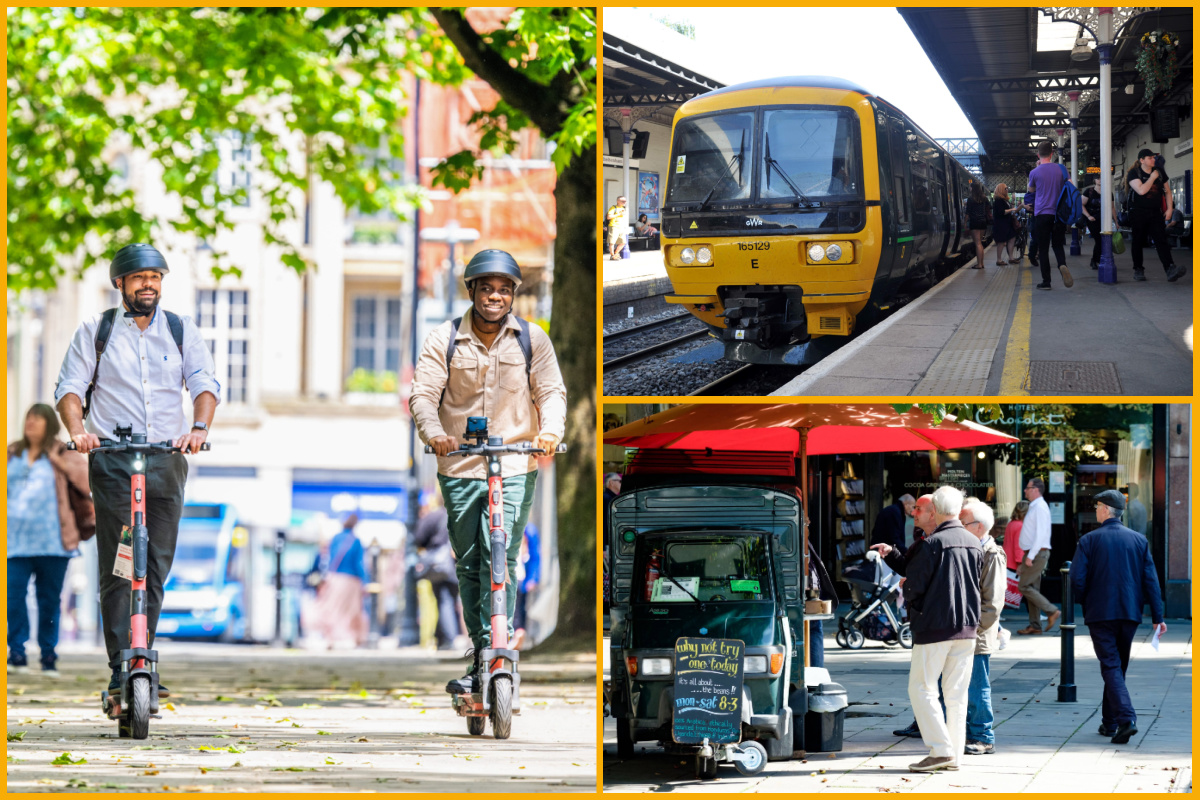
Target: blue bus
204, 596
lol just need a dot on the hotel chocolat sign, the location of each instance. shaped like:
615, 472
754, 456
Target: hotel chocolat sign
708, 690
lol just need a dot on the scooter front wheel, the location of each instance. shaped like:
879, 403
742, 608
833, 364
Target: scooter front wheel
139, 707
475, 725
501, 713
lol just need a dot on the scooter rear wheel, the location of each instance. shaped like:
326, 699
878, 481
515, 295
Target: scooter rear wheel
476, 725
139, 707
501, 713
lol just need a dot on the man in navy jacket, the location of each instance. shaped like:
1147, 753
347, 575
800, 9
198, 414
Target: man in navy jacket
1113, 577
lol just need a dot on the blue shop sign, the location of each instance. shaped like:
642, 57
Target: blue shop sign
337, 500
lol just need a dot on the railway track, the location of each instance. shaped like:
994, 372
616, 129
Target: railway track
651, 351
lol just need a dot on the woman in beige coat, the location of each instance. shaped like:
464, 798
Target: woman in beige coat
977, 518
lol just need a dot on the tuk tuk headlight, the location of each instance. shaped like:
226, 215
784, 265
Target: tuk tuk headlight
755, 665
656, 666
687, 255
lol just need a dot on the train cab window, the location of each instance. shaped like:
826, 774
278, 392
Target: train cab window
813, 152
710, 159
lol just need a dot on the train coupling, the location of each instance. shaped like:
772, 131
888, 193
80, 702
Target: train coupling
764, 316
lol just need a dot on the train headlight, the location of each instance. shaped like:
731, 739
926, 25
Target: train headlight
687, 255
704, 255
834, 252
816, 252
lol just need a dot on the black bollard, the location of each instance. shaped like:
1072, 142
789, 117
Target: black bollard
1066, 686
280, 541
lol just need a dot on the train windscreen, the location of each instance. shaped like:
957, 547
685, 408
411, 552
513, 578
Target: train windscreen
710, 159
813, 155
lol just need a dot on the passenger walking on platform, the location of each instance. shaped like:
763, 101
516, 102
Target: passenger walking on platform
1047, 180
1003, 229
1012, 535
1092, 207
1035, 541
1028, 202
1113, 577
1148, 219
977, 222
941, 590
978, 519
618, 228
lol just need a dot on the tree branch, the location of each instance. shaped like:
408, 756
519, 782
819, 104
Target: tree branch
535, 100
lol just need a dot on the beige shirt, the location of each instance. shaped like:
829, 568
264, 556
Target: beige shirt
488, 383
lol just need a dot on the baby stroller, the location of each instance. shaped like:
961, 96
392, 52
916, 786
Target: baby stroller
873, 589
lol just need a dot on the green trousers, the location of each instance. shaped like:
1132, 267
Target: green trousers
467, 518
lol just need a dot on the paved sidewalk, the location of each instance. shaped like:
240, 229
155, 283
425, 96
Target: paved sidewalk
255, 719
989, 332
1041, 745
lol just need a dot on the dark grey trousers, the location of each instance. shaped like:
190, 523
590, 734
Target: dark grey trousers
166, 474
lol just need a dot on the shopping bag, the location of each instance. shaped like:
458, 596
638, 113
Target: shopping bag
1012, 595
1118, 242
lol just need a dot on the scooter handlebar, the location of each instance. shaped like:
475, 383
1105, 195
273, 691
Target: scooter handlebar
525, 448
152, 447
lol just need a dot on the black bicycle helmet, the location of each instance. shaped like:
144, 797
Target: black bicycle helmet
136, 258
492, 262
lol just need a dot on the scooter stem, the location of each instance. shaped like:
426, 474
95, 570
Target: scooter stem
138, 635
499, 560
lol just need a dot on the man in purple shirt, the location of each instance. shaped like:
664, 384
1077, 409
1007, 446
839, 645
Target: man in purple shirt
1047, 180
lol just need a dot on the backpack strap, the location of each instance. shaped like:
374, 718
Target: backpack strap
103, 334
176, 326
523, 339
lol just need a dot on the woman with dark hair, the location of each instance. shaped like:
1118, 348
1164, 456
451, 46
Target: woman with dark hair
1012, 535
977, 219
43, 532
1003, 229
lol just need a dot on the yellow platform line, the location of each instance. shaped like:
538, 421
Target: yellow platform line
1014, 380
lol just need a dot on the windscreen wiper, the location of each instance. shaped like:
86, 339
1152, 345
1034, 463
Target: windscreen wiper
728, 173
772, 163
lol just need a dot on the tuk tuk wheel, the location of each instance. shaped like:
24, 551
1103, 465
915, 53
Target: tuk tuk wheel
755, 759
906, 636
624, 739
706, 768
841, 639
855, 639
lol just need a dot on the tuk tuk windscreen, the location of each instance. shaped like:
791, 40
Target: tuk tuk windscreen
709, 569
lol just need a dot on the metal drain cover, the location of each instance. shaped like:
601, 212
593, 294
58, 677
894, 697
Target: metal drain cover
1073, 377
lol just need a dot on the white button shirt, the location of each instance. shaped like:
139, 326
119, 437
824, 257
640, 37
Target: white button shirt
141, 375
1035, 530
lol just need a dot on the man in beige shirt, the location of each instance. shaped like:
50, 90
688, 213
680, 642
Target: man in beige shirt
498, 366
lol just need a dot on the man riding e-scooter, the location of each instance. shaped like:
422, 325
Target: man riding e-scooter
128, 366
488, 364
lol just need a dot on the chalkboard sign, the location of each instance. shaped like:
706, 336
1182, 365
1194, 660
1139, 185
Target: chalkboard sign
708, 690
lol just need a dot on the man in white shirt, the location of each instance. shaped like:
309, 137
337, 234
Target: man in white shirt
1035, 541
146, 358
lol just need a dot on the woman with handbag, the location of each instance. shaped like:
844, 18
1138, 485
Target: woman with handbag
49, 512
337, 615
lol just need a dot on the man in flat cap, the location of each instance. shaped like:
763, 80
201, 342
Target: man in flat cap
1113, 577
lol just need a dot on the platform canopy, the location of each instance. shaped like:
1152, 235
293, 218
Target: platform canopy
637, 78
1005, 66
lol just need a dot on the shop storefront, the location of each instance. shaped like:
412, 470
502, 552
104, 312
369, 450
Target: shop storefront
1079, 451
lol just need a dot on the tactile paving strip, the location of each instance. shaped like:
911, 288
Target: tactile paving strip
1074, 377
963, 366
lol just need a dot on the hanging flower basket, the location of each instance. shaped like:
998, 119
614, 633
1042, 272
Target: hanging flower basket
1158, 62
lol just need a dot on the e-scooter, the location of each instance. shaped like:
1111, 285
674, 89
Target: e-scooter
498, 696
138, 699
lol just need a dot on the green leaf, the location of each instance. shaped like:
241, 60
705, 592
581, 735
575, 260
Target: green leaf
294, 769
65, 760
16, 736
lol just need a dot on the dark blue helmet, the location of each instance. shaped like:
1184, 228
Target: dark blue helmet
133, 258
492, 262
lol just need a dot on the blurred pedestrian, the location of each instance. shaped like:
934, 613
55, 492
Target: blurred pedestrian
978, 519
618, 228
435, 563
1135, 511
977, 219
1113, 577
889, 525
612, 488
1048, 179
1012, 535
1028, 201
1003, 229
1153, 205
49, 512
1092, 208
820, 585
941, 590
338, 616
529, 575
1035, 541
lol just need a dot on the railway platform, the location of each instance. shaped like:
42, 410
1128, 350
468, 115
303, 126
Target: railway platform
991, 333
638, 282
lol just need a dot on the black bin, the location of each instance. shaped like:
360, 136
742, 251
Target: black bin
826, 718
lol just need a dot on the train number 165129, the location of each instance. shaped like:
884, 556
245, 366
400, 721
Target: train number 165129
754, 245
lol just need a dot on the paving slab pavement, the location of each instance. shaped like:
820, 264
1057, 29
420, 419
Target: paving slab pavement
250, 718
1042, 745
